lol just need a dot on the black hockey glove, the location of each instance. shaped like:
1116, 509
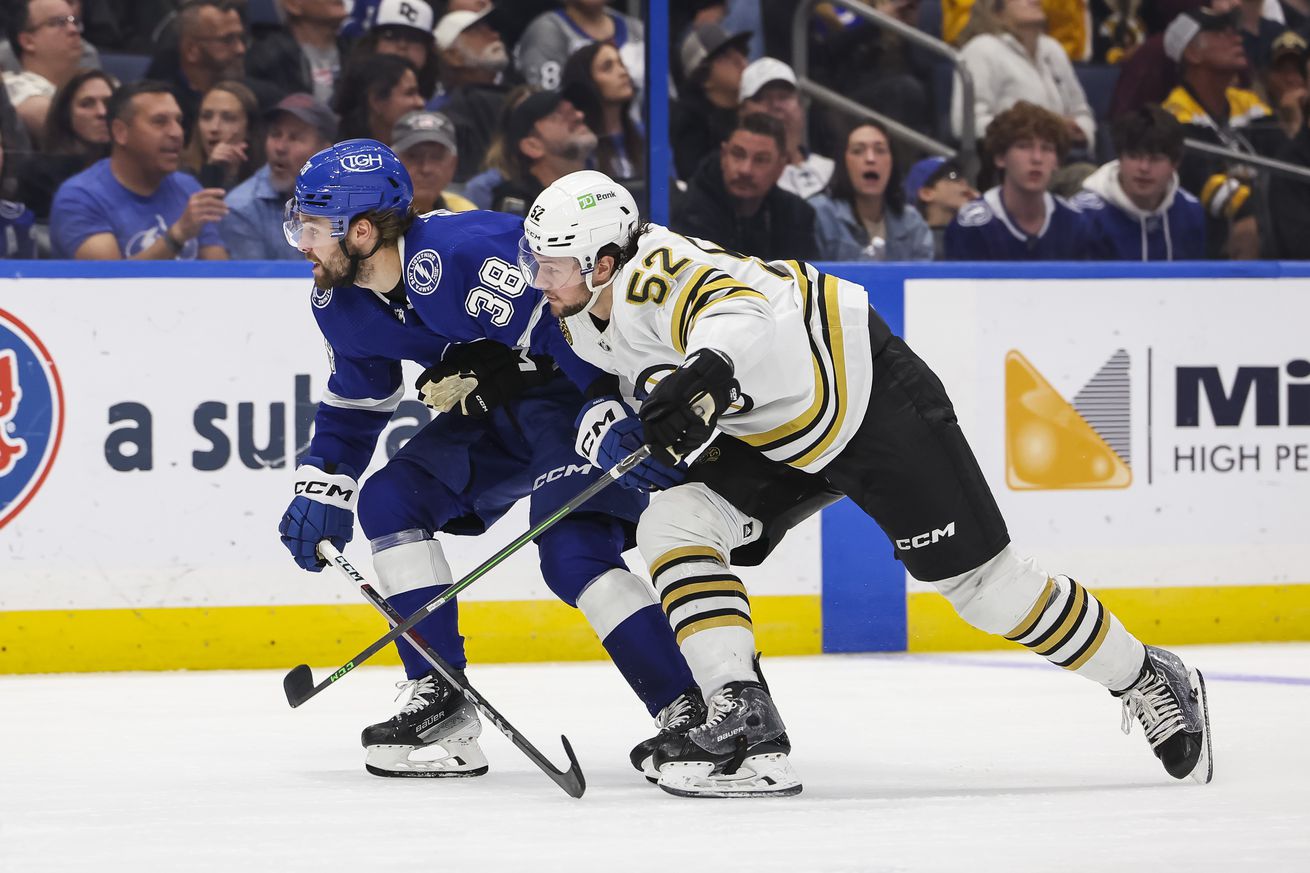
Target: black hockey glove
474, 378
680, 413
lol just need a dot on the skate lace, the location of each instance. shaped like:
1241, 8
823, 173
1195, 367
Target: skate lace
1154, 705
718, 706
675, 715
421, 692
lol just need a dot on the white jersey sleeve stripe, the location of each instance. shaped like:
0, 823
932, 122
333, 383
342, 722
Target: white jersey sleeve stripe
386, 404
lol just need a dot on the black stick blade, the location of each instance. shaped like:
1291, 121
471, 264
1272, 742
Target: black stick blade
571, 780
299, 685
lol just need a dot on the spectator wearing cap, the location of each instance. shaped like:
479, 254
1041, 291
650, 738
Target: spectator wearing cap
938, 187
548, 41
135, 204
1208, 49
404, 28
47, 40
1285, 81
598, 84
298, 127
425, 143
1147, 75
545, 139
211, 47
734, 198
1134, 207
705, 113
769, 86
374, 92
1019, 220
307, 54
472, 92
1014, 59
865, 217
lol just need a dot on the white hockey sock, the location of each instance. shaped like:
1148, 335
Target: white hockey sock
1072, 629
710, 615
1054, 616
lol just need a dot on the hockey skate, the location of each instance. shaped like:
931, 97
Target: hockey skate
1169, 701
436, 719
672, 723
740, 751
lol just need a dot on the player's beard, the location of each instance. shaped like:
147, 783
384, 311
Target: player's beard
336, 273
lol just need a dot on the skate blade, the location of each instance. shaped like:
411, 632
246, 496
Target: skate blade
1203, 772
648, 770
769, 775
462, 759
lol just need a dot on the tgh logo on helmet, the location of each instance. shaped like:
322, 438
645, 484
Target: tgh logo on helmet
361, 163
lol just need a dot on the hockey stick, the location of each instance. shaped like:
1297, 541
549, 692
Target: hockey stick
571, 780
299, 683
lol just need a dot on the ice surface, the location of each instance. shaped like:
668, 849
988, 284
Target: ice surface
910, 762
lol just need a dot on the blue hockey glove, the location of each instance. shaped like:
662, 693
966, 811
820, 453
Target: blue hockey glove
323, 508
680, 413
608, 432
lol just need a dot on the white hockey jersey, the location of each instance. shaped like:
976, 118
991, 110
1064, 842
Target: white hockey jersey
798, 340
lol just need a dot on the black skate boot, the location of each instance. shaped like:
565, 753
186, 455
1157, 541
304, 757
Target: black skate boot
740, 751
1169, 701
673, 721
436, 719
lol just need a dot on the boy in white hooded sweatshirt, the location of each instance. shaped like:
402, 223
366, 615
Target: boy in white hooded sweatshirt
1134, 207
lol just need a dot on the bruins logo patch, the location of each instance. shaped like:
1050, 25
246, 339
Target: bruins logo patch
564, 329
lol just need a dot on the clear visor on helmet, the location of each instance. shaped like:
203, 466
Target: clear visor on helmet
309, 232
546, 272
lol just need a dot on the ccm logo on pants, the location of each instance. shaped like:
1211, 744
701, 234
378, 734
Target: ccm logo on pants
926, 539
560, 473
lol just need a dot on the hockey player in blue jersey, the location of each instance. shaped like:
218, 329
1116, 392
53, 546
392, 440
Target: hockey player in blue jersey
443, 290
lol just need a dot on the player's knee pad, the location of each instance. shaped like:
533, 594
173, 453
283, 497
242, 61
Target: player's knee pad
409, 560
612, 597
578, 550
997, 595
690, 516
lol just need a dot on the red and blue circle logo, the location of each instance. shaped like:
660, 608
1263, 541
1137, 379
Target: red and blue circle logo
31, 415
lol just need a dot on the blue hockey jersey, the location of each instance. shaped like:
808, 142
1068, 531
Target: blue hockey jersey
462, 284
983, 231
1120, 231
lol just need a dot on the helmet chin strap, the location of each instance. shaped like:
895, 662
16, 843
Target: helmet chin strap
594, 291
355, 260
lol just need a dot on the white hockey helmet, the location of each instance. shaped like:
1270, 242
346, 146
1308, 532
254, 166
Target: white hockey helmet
576, 217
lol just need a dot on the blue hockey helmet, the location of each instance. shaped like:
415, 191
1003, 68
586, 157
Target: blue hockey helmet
345, 180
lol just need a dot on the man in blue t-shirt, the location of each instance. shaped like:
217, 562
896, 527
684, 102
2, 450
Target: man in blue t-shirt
1019, 220
135, 204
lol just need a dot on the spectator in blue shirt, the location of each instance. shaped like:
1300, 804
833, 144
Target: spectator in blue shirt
135, 204
1134, 207
1019, 220
298, 127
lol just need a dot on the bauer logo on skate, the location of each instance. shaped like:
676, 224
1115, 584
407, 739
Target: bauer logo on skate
1051, 443
31, 415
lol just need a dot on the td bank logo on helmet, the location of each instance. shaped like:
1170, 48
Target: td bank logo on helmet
361, 162
1054, 444
31, 415
586, 201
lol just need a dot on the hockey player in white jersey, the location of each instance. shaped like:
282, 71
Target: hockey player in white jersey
813, 398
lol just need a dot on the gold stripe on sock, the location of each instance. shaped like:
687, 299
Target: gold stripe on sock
1096, 641
1062, 634
672, 555
1025, 627
727, 586
695, 627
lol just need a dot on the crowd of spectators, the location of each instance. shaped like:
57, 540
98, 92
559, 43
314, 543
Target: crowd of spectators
175, 128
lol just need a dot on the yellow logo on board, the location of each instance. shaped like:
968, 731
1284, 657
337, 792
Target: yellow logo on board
1053, 444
